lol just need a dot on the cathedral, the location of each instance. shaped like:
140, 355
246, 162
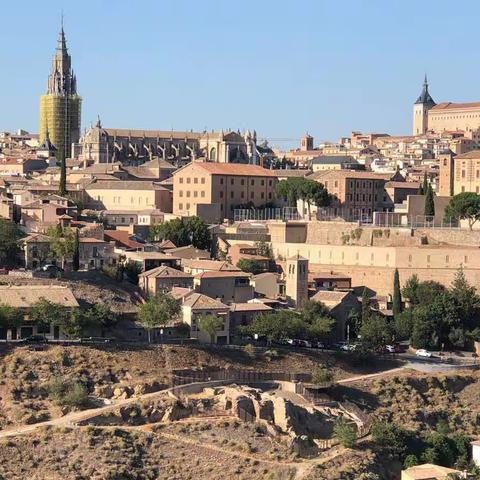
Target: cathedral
134, 147
430, 117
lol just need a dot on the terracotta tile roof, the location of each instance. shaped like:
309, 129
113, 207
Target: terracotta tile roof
249, 307
473, 154
165, 272
122, 237
356, 174
90, 240
36, 238
329, 298
455, 106
238, 274
213, 265
198, 301
231, 169
166, 244
291, 172
26, 295
124, 185
413, 185
179, 292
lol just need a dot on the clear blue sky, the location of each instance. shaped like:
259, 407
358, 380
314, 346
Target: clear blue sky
281, 67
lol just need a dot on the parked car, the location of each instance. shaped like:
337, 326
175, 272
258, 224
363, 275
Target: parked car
35, 339
421, 352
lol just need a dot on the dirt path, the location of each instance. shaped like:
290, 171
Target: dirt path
372, 375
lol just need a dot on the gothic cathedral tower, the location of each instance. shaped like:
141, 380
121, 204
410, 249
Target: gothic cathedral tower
60, 107
420, 110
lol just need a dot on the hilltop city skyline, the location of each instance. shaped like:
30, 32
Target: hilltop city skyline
175, 74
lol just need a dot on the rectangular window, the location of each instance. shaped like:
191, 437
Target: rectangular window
180, 206
262, 183
195, 193
180, 193
202, 180
195, 180
180, 179
188, 179
252, 183
262, 195
188, 193
231, 194
232, 181
202, 194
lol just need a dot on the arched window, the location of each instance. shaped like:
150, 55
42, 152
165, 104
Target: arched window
213, 154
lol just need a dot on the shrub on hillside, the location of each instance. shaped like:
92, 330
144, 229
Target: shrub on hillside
67, 393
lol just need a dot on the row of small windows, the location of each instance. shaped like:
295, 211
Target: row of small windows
188, 180
195, 180
188, 193
133, 200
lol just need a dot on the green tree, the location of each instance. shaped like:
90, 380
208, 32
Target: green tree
345, 432
429, 202
250, 266
264, 249
10, 316
62, 186
132, 270
300, 188
277, 325
158, 311
210, 324
410, 289
10, 233
322, 375
376, 332
397, 294
466, 299
319, 322
411, 461
74, 324
100, 315
464, 206
391, 439
63, 243
45, 313
193, 231
404, 324
76, 252
366, 306
199, 233
425, 184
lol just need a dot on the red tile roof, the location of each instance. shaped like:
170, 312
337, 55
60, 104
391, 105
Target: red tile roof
122, 238
231, 169
455, 106
222, 275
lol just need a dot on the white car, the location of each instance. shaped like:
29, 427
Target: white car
421, 352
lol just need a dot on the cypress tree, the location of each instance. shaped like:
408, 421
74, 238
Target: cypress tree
397, 295
425, 184
76, 252
365, 306
62, 187
429, 202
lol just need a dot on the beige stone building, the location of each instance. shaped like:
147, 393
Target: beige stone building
128, 196
459, 173
356, 194
229, 287
24, 297
447, 116
195, 305
162, 279
213, 190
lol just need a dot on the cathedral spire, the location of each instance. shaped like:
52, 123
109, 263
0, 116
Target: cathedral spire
61, 80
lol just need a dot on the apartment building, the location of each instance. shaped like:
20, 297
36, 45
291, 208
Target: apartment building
356, 194
459, 173
128, 195
214, 190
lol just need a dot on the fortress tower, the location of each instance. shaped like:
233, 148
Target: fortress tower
420, 110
